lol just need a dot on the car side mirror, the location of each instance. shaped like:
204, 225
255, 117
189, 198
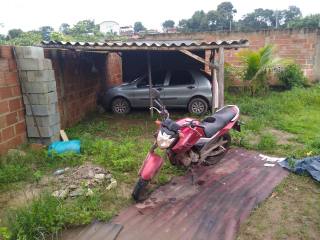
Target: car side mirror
155, 94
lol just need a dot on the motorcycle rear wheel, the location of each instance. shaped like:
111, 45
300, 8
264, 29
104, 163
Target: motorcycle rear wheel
212, 160
139, 189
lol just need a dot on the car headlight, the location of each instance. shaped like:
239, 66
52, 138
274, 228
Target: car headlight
164, 140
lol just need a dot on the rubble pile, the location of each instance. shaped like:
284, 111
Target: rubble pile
74, 182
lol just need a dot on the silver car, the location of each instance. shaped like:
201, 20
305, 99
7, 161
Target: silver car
188, 89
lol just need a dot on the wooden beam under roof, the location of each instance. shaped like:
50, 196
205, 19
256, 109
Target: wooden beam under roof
200, 59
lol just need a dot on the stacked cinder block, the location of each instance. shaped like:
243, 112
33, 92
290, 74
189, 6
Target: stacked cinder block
39, 94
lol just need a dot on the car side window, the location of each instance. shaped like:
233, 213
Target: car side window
157, 79
181, 77
143, 82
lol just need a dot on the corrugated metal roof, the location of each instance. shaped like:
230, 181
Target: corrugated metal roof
212, 208
147, 45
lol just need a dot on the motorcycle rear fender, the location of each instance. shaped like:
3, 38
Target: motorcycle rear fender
237, 126
151, 166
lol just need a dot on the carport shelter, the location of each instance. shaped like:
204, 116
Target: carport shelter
147, 52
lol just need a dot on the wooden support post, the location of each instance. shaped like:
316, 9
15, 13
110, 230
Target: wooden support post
200, 59
150, 83
221, 77
214, 85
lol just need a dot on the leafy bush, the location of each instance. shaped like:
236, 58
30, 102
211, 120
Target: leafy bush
231, 74
292, 76
257, 66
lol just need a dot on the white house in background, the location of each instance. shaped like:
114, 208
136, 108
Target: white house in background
109, 26
126, 30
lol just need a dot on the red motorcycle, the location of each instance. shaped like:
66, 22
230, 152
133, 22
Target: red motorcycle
187, 141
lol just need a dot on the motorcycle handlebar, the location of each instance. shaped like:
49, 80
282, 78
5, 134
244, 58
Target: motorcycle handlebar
192, 124
163, 112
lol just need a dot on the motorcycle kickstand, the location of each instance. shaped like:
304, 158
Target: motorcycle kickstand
193, 175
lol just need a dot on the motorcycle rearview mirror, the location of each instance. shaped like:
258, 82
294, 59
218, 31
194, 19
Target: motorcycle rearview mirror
155, 94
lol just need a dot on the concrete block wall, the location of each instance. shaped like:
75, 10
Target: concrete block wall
39, 90
12, 119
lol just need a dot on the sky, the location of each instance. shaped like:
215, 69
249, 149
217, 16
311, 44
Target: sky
32, 14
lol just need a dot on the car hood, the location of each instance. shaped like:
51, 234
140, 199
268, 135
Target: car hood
122, 86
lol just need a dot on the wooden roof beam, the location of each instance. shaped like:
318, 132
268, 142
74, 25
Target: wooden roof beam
200, 59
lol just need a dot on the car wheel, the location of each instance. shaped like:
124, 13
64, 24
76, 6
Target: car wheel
198, 106
120, 106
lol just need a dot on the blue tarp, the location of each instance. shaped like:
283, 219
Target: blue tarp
62, 147
310, 165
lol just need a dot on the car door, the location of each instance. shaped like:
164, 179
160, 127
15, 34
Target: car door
141, 93
179, 88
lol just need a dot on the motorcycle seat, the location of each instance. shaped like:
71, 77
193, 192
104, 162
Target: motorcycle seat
218, 120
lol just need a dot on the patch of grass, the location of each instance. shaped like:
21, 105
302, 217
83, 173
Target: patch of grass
292, 212
27, 166
295, 111
47, 215
267, 142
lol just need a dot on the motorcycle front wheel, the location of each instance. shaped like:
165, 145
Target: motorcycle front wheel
139, 189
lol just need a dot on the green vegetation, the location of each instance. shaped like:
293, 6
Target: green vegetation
85, 30
48, 215
223, 19
28, 167
281, 123
292, 76
138, 26
294, 113
120, 145
257, 66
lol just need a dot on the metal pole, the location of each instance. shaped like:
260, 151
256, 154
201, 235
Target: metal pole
150, 83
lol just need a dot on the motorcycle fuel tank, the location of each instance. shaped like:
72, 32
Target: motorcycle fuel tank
188, 136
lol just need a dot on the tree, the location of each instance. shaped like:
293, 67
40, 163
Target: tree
311, 21
168, 24
257, 65
27, 39
138, 26
291, 14
58, 36
45, 32
198, 22
219, 19
84, 27
14, 33
225, 11
258, 19
64, 28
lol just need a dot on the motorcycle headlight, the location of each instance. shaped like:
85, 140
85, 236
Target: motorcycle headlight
164, 140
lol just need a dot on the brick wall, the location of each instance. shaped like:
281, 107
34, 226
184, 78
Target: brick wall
113, 70
12, 120
80, 77
303, 46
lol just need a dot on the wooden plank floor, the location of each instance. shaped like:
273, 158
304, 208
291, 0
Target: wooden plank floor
94, 231
213, 208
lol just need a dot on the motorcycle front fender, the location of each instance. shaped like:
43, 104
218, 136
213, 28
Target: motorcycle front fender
151, 166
